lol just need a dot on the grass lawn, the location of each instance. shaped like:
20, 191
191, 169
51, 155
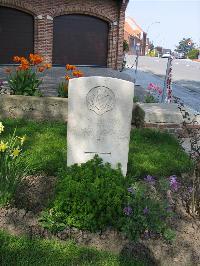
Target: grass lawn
151, 152
20, 251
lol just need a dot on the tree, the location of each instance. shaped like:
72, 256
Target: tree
151, 46
185, 45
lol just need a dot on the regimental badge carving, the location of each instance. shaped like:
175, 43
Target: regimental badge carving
100, 100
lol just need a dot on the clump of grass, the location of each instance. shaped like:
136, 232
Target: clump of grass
17, 251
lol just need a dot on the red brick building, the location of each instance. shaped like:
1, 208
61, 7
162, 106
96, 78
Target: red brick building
135, 36
81, 32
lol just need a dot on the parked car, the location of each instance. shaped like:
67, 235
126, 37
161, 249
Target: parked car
179, 55
167, 55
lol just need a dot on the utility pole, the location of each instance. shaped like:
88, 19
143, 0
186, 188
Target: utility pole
136, 60
167, 90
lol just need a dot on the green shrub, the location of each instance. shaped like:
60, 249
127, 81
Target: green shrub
136, 99
63, 90
193, 54
149, 99
90, 196
138, 116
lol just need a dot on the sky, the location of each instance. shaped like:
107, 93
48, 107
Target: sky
167, 21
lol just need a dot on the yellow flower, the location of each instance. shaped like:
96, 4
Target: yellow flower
15, 152
3, 146
22, 139
1, 127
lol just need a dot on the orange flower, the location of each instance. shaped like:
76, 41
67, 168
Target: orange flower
67, 77
67, 67
77, 74
35, 59
41, 69
16, 59
48, 66
70, 67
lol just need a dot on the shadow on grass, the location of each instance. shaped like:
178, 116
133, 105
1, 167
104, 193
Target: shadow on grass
17, 251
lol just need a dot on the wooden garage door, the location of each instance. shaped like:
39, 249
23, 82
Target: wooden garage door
16, 34
80, 40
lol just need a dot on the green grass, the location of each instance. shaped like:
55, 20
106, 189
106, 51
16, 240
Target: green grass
151, 152
21, 251
155, 153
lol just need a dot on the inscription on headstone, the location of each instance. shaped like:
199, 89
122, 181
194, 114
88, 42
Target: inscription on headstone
99, 120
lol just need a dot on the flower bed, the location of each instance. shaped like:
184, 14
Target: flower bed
95, 197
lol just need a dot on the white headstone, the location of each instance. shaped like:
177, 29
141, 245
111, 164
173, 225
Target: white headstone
99, 120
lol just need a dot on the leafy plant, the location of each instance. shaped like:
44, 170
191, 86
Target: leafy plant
89, 196
24, 82
136, 99
63, 90
24, 79
10, 172
149, 99
146, 211
193, 54
71, 71
155, 91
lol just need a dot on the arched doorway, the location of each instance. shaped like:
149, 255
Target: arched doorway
80, 40
16, 34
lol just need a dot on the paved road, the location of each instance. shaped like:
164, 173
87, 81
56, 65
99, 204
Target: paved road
185, 74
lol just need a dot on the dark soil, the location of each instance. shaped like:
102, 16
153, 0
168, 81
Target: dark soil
35, 192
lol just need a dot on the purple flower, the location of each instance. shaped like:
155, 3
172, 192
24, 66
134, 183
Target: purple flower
128, 210
131, 190
150, 179
174, 184
146, 210
1, 82
190, 189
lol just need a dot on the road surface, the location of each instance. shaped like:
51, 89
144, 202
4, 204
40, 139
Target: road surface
185, 77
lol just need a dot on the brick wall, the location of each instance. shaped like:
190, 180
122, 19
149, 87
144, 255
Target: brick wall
44, 11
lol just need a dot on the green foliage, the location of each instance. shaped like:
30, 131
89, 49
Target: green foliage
125, 46
147, 212
24, 82
10, 169
193, 54
138, 116
184, 47
18, 251
45, 148
89, 197
149, 99
63, 90
94, 196
136, 99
